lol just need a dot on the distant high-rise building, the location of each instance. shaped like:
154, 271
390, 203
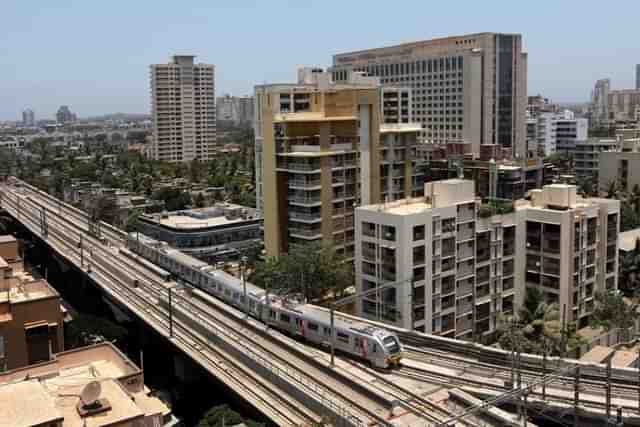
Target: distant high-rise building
470, 88
28, 118
609, 107
64, 115
638, 76
183, 110
235, 110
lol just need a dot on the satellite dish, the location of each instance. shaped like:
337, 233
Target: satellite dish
90, 393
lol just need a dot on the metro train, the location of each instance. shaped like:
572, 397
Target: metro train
377, 346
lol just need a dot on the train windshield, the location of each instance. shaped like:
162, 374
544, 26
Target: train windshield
391, 344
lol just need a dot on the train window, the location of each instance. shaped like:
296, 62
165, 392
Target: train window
312, 326
284, 318
227, 292
236, 295
298, 322
327, 331
343, 337
375, 348
272, 314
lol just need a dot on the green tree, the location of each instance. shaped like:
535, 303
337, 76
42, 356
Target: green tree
318, 272
223, 415
86, 328
612, 311
537, 328
131, 223
199, 201
173, 198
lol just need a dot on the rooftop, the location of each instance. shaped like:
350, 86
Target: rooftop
218, 215
28, 291
53, 388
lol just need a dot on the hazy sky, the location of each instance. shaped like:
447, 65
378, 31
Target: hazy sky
95, 55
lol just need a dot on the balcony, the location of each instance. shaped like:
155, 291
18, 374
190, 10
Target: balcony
463, 308
464, 288
305, 200
463, 325
305, 232
465, 233
304, 183
304, 216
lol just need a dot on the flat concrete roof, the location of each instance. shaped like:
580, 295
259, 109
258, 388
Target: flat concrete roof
597, 354
52, 391
7, 238
400, 207
27, 404
623, 358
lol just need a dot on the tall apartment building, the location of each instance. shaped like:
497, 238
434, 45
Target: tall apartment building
637, 76
571, 248
455, 270
323, 148
470, 88
183, 110
237, 110
557, 132
28, 118
610, 106
456, 267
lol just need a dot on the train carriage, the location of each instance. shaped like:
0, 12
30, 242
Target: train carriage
377, 346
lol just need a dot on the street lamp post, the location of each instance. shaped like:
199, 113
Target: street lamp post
243, 264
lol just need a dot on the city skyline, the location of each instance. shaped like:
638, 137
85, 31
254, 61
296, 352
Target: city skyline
105, 71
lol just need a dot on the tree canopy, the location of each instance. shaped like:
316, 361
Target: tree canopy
313, 270
612, 311
224, 416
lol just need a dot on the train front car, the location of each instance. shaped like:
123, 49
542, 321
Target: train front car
391, 347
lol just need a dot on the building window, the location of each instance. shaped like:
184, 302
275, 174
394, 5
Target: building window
418, 255
389, 233
418, 233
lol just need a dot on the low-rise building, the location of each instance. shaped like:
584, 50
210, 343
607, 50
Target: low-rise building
48, 394
457, 265
213, 234
31, 317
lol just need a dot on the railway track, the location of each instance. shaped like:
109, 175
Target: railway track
143, 301
106, 263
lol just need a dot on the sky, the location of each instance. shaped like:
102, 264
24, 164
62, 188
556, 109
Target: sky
94, 55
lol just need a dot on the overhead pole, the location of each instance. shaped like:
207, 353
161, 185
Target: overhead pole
576, 396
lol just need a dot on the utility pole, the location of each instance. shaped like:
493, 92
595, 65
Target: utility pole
576, 395
544, 369
331, 315
243, 263
170, 314
608, 390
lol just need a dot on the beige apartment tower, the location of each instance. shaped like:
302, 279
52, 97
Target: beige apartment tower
323, 148
470, 88
183, 110
453, 266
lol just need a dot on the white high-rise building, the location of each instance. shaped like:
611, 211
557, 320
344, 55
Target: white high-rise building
183, 110
557, 132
